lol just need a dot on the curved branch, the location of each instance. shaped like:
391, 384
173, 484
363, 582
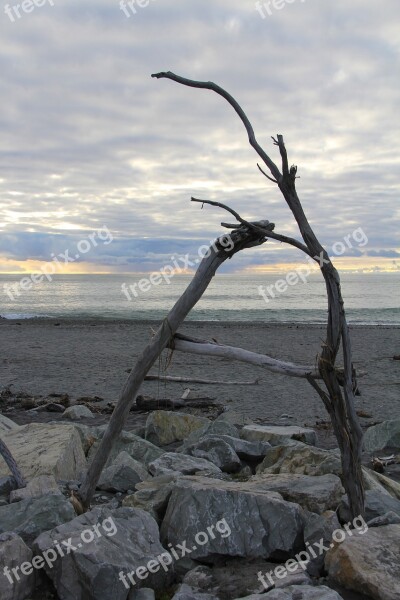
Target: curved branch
209, 85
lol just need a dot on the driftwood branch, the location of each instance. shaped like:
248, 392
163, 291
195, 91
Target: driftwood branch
172, 379
12, 465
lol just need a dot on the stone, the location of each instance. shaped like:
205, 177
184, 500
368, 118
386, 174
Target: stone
164, 427
6, 425
319, 528
124, 473
143, 594
153, 495
316, 494
13, 554
98, 567
276, 434
302, 459
138, 448
376, 505
44, 485
298, 592
77, 412
384, 436
46, 449
30, 517
7, 485
217, 451
185, 592
233, 417
249, 451
216, 428
389, 518
174, 462
258, 524
369, 564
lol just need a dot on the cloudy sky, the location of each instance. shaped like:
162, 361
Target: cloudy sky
89, 140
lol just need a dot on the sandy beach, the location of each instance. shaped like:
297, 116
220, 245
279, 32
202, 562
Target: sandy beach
91, 357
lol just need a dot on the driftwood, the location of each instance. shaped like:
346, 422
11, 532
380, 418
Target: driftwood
12, 465
146, 403
244, 234
172, 379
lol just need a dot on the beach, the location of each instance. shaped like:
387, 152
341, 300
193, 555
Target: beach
91, 358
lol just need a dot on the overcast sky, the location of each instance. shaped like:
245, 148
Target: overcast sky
88, 139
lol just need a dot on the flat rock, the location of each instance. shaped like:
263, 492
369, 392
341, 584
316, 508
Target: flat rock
43, 485
369, 563
258, 524
13, 554
384, 436
276, 434
46, 449
216, 450
77, 412
129, 539
316, 494
153, 495
298, 592
123, 474
138, 448
174, 462
30, 517
164, 427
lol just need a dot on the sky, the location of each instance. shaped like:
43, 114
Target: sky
90, 143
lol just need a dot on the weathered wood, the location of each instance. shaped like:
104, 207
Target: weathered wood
146, 403
172, 379
11, 464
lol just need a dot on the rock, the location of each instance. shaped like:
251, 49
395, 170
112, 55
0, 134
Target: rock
30, 517
143, 594
276, 434
124, 473
376, 505
233, 417
259, 524
250, 451
89, 435
165, 427
369, 563
153, 495
7, 485
319, 528
316, 494
384, 436
46, 449
298, 592
302, 459
15, 554
44, 485
217, 451
216, 428
98, 568
77, 412
173, 462
389, 518
138, 448
185, 592
6, 425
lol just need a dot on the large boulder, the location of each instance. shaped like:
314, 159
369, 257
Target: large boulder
164, 427
30, 517
384, 436
249, 451
217, 451
6, 425
112, 551
316, 494
153, 495
77, 412
44, 485
369, 564
301, 459
298, 592
278, 434
138, 448
174, 462
124, 473
15, 554
376, 505
258, 523
46, 449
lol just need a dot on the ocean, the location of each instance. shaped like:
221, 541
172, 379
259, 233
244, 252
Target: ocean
370, 298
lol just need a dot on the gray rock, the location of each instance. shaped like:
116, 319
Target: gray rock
15, 554
6, 425
30, 517
389, 518
383, 436
44, 485
7, 485
216, 428
369, 563
173, 462
185, 592
233, 417
298, 592
376, 505
143, 594
319, 528
124, 473
164, 427
46, 449
77, 412
217, 451
251, 451
138, 448
153, 495
97, 569
258, 524
276, 434
316, 494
